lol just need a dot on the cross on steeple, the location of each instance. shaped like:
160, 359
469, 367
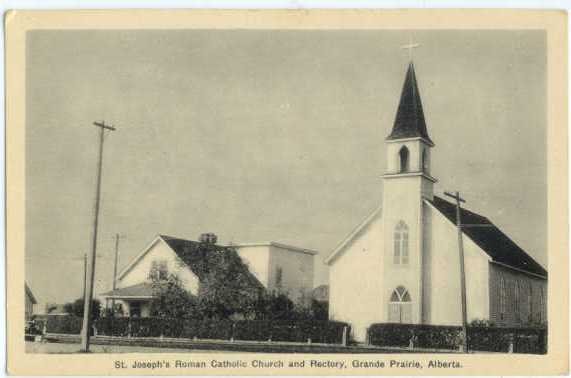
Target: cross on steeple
409, 47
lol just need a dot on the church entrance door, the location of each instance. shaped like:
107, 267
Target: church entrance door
400, 306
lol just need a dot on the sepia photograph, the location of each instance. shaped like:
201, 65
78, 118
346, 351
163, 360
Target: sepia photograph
287, 193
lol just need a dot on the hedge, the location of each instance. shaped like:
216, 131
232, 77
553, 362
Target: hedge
64, 324
498, 339
329, 332
425, 336
489, 339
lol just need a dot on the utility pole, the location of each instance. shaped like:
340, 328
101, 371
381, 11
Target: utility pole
456, 196
117, 237
85, 331
84, 275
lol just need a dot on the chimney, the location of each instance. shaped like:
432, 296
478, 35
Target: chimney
208, 238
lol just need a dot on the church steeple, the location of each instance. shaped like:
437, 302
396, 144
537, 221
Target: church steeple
409, 121
408, 147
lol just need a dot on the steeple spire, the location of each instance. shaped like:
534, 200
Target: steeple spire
409, 121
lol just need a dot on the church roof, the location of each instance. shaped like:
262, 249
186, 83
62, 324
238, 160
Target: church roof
409, 121
490, 238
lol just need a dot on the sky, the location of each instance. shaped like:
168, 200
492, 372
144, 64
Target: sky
266, 135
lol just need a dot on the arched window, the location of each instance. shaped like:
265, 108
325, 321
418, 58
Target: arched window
400, 307
502, 298
424, 160
401, 244
403, 155
541, 306
530, 303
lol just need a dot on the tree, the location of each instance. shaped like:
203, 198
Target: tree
275, 306
320, 310
172, 300
76, 308
227, 287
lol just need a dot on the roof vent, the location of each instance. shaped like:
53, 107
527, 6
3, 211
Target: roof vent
208, 238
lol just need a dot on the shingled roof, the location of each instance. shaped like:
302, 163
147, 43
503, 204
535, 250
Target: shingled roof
409, 121
203, 259
141, 290
490, 238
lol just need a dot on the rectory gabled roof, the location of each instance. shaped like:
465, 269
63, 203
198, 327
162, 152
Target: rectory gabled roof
490, 238
204, 259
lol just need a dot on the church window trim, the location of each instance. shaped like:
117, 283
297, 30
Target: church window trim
403, 159
401, 253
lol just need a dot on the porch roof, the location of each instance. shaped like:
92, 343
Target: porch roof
140, 291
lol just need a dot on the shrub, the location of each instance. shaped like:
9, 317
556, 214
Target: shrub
67, 324
530, 340
287, 330
482, 336
488, 339
328, 332
76, 308
320, 310
112, 326
425, 336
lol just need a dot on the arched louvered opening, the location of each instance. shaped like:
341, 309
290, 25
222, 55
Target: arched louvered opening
403, 155
424, 160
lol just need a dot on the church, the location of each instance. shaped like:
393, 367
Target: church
402, 263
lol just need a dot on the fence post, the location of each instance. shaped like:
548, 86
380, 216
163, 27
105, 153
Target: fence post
368, 336
344, 337
461, 342
511, 344
129, 328
232, 332
309, 340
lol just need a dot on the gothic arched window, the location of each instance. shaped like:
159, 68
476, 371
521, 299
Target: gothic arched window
517, 301
401, 244
400, 306
403, 155
530, 303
